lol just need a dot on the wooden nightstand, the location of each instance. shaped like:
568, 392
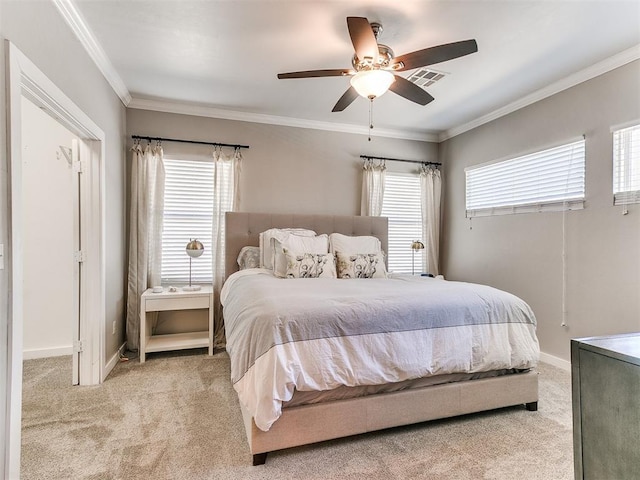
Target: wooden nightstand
178, 300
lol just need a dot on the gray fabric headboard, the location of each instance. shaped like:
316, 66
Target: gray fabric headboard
242, 229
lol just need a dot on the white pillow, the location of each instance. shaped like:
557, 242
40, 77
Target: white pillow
296, 244
346, 244
266, 250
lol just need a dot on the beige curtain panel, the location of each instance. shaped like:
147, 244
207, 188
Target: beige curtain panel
145, 237
372, 188
226, 198
430, 194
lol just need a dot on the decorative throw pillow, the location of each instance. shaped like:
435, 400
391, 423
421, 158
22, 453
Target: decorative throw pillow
249, 257
310, 265
361, 265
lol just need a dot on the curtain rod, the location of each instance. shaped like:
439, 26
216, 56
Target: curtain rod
369, 157
161, 139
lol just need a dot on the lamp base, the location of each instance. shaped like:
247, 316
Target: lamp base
191, 288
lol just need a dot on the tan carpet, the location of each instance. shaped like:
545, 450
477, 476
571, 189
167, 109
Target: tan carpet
177, 417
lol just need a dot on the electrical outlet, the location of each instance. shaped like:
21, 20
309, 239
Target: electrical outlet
113, 328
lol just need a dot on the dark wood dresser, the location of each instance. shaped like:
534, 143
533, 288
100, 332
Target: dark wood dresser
605, 377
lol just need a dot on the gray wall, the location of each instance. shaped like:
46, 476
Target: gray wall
286, 169
39, 31
522, 253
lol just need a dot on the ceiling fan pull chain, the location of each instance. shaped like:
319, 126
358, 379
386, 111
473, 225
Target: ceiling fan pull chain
370, 116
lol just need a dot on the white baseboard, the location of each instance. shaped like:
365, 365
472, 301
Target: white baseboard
555, 361
113, 361
47, 352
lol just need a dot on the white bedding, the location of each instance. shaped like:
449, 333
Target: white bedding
317, 334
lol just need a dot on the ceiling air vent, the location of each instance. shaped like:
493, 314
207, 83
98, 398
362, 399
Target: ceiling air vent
425, 78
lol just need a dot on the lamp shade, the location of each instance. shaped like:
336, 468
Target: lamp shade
372, 83
417, 245
195, 248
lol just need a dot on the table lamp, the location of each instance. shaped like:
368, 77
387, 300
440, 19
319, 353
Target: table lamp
194, 250
415, 245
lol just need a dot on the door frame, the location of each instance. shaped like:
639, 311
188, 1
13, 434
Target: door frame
76, 180
25, 79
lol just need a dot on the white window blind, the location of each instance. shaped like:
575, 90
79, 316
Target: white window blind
549, 180
626, 165
401, 205
188, 212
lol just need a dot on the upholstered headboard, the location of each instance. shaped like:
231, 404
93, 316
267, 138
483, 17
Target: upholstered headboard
242, 229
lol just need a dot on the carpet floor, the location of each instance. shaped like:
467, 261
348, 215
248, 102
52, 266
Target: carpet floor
177, 417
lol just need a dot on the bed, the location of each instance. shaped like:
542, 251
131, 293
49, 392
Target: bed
283, 407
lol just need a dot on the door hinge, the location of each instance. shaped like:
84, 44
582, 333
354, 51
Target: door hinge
78, 166
77, 346
79, 256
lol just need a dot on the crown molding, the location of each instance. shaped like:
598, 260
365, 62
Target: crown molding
212, 112
80, 28
600, 68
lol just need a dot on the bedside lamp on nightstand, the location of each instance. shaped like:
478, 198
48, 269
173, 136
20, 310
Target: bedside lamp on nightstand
194, 250
416, 245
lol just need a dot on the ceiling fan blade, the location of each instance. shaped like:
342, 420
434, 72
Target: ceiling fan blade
316, 73
362, 37
345, 100
410, 91
441, 53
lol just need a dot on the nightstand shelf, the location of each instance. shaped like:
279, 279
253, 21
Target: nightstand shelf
172, 301
177, 341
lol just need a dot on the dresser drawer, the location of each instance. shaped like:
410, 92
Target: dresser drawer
606, 413
176, 303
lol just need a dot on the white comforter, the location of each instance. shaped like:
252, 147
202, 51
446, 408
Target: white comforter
317, 334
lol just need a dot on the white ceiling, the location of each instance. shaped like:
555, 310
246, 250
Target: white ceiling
226, 54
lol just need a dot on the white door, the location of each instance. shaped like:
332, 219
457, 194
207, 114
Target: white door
78, 259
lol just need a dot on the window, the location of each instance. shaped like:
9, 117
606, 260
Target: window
549, 180
401, 205
188, 213
626, 165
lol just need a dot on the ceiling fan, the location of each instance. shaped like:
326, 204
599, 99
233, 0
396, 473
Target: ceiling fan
374, 65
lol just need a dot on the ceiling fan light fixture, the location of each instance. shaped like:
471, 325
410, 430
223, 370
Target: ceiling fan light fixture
372, 83
374, 65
